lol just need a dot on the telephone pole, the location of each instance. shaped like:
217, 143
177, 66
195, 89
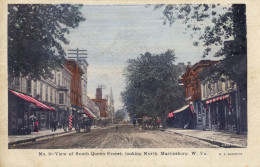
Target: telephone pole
77, 53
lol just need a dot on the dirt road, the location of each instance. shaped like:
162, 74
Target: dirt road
126, 136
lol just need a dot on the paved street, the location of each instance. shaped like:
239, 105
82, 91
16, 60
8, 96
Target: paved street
125, 137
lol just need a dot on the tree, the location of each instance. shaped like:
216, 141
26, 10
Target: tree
220, 25
120, 114
152, 86
35, 34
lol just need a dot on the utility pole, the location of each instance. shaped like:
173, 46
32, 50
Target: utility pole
111, 106
77, 53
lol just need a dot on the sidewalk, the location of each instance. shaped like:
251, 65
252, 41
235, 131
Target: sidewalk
17, 139
222, 139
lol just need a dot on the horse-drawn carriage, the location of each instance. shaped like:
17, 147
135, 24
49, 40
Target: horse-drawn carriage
83, 122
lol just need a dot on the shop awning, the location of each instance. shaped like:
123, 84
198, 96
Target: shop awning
89, 113
181, 109
217, 99
33, 100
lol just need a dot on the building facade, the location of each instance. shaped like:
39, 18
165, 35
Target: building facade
52, 92
102, 103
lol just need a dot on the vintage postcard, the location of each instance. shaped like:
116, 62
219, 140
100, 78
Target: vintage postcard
129, 83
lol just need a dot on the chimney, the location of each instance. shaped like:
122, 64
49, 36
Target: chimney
99, 93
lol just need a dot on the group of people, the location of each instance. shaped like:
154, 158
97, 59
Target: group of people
54, 125
155, 123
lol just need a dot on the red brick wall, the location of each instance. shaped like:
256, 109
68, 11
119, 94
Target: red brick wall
75, 84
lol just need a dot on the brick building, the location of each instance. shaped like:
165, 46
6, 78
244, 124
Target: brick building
191, 80
101, 102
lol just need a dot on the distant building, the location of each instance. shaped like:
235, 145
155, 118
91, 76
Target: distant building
101, 102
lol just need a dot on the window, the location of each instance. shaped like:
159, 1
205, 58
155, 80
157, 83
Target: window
35, 89
29, 86
61, 98
51, 95
41, 90
58, 79
220, 85
55, 101
46, 95
65, 100
204, 90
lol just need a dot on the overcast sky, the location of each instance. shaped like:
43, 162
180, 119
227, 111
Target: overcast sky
113, 34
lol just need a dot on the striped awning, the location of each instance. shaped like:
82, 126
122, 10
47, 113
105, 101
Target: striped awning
217, 99
89, 113
33, 100
181, 109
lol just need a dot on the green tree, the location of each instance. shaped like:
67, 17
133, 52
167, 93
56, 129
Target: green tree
219, 25
35, 34
120, 114
152, 86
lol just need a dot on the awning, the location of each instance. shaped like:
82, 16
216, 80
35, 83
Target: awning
181, 109
32, 100
89, 113
217, 99
225, 97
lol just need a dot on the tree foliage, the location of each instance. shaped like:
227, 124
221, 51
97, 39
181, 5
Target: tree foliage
35, 34
120, 114
220, 25
152, 85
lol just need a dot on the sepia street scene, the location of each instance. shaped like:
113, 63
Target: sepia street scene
127, 76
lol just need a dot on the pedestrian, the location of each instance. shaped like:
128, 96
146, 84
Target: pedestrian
59, 125
36, 126
158, 123
134, 122
53, 128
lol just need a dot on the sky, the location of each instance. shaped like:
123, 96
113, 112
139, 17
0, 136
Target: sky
112, 34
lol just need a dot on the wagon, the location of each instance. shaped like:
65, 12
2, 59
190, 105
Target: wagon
83, 122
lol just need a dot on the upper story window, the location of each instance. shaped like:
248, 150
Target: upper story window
35, 88
46, 94
51, 95
204, 90
29, 86
61, 98
41, 90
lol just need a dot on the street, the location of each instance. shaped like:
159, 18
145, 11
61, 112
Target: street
126, 136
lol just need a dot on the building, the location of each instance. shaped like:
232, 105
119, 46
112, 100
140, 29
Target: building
192, 82
102, 103
189, 116
27, 99
219, 105
75, 91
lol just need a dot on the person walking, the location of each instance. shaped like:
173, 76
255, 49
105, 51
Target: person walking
53, 126
36, 126
158, 123
134, 122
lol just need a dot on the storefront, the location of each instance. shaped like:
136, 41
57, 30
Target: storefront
220, 113
184, 117
24, 111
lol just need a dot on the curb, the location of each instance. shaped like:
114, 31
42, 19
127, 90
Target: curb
215, 142
39, 137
